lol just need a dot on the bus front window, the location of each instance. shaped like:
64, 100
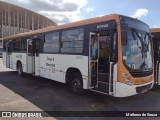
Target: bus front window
137, 52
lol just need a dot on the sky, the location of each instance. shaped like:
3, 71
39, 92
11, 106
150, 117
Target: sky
65, 11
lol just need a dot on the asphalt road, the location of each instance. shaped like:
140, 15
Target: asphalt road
31, 93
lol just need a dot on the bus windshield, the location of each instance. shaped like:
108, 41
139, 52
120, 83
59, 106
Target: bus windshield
137, 52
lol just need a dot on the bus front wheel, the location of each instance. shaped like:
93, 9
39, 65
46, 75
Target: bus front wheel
20, 69
76, 84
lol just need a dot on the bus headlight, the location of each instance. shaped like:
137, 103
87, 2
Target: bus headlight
126, 79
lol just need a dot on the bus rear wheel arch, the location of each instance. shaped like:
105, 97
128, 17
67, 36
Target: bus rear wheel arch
74, 80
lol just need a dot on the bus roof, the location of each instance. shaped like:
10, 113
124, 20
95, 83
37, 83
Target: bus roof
154, 30
68, 25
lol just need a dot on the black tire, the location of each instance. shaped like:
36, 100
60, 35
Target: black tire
76, 83
20, 70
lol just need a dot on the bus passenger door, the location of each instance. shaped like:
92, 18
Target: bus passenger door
156, 46
30, 56
93, 62
113, 60
101, 67
99, 62
37, 58
8, 55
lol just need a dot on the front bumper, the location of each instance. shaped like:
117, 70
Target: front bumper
124, 90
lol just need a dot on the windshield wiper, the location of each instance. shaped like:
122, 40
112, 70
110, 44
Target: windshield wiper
144, 47
144, 67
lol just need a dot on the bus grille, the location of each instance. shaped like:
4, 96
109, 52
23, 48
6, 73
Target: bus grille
143, 88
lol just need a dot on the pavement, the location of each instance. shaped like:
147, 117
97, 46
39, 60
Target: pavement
30, 93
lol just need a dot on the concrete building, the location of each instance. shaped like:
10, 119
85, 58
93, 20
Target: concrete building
15, 19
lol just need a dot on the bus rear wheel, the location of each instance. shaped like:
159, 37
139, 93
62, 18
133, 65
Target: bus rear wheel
20, 69
76, 84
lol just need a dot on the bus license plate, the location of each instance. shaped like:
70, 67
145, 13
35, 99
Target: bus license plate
144, 90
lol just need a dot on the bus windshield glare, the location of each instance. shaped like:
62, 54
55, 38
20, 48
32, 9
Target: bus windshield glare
137, 52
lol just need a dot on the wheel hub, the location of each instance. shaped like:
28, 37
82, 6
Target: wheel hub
76, 83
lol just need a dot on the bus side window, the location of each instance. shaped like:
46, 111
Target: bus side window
72, 40
51, 44
16, 44
24, 44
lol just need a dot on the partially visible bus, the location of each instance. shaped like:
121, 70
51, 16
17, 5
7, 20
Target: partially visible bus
1, 48
156, 46
111, 55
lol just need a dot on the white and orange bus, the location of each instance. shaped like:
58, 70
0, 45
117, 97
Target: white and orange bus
156, 46
111, 55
